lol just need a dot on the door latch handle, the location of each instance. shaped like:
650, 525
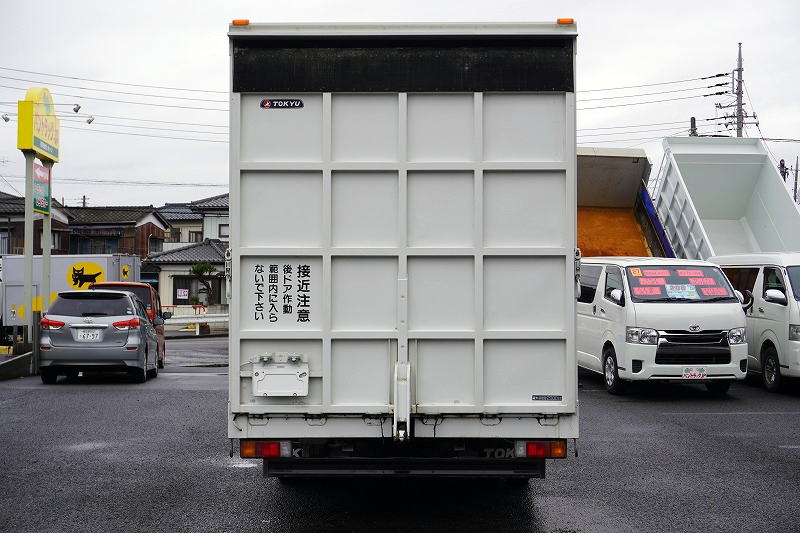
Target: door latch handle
594, 309
760, 309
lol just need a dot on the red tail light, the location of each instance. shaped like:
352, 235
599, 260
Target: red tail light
127, 324
51, 324
249, 449
542, 449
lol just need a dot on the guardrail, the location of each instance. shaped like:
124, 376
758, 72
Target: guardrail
196, 320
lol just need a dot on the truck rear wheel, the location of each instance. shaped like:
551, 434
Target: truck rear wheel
611, 379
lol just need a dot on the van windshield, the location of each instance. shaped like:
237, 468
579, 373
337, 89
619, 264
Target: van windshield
685, 283
794, 279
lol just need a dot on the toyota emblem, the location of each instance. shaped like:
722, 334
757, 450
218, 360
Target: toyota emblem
694, 328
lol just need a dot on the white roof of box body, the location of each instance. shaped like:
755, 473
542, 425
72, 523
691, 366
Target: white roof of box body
788, 259
263, 29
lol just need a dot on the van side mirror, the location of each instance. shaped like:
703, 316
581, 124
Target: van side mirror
158, 321
166, 315
616, 296
739, 296
775, 296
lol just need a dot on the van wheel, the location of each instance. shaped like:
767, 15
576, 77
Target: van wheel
48, 377
771, 370
611, 379
719, 387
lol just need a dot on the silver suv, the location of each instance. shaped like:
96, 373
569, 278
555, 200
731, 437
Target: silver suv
98, 330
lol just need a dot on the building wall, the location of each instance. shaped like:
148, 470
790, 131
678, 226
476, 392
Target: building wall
166, 284
211, 224
142, 236
179, 230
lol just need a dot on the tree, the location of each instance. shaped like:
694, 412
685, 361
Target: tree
204, 271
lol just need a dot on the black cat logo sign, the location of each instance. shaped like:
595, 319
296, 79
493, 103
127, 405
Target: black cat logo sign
125, 272
82, 274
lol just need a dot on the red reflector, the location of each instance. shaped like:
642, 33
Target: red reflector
268, 449
132, 348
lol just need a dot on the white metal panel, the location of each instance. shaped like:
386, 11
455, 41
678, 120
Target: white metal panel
439, 230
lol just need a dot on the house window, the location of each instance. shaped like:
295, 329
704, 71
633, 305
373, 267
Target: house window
195, 236
224, 231
156, 245
175, 235
55, 240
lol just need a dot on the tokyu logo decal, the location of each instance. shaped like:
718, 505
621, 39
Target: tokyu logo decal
281, 103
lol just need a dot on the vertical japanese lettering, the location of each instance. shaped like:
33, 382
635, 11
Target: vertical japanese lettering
303, 293
272, 289
258, 281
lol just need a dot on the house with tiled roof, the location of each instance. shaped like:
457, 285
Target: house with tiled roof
12, 226
186, 225
177, 285
215, 216
135, 230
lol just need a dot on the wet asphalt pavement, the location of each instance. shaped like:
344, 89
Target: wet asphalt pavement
104, 454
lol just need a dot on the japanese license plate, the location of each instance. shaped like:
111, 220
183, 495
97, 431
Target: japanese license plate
695, 372
88, 335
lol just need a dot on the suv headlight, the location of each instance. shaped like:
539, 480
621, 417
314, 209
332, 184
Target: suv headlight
641, 336
737, 336
794, 333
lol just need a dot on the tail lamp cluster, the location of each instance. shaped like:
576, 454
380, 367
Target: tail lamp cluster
541, 449
249, 449
51, 324
124, 325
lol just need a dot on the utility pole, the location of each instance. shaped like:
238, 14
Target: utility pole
692, 127
739, 91
84, 200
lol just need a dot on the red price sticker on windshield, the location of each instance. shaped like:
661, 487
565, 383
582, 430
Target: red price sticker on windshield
646, 291
702, 281
714, 291
652, 281
657, 273
690, 273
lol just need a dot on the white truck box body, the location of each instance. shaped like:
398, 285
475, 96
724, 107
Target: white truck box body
723, 196
67, 272
421, 246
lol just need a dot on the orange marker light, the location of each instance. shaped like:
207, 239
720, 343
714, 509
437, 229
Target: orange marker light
560, 21
247, 448
245, 22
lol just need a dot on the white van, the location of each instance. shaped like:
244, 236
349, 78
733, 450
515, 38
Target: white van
772, 285
660, 318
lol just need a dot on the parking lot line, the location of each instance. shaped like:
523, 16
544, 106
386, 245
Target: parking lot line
726, 413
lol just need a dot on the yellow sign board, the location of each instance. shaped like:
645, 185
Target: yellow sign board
38, 125
83, 273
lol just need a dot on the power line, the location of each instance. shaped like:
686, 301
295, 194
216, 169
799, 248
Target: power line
636, 131
81, 121
150, 182
117, 117
652, 101
654, 84
651, 94
115, 92
93, 98
114, 82
144, 135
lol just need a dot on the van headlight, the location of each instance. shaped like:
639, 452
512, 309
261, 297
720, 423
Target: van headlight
794, 333
641, 336
737, 336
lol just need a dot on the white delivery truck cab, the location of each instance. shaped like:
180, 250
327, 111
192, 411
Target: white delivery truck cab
648, 318
402, 257
771, 282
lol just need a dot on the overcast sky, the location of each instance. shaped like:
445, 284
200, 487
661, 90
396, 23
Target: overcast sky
184, 44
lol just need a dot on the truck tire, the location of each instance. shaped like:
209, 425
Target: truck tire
771, 370
719, 387
48, 377
611, 378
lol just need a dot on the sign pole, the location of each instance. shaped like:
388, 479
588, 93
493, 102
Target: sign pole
47, 239
27, 297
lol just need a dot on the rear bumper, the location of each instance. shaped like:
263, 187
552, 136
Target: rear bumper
405, 467
91, 358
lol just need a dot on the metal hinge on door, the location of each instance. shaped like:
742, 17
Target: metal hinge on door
228, 272
402, 400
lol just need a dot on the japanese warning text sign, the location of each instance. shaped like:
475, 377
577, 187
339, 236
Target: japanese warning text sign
282, 295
